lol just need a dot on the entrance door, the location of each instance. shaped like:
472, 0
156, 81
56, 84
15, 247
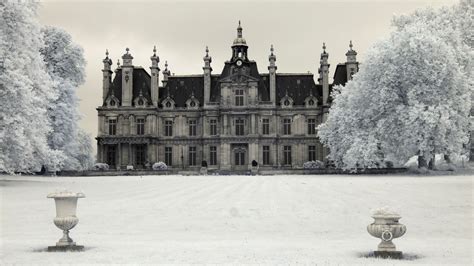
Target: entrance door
140, 156
240, 158
111, 155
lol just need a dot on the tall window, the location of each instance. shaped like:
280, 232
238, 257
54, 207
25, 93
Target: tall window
213, 127
287, 155
265, 126
140, 126
239, 127
168, 128
112, 126
239, 97
266, 155
140, 155
169, 156
192, 128
312, 153
286, 126
212, 155
192, 156
311, 126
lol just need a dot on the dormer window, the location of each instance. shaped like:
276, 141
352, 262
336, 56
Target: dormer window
286, 102
112, 101
311, 101
168, 103
140, 102
192, 103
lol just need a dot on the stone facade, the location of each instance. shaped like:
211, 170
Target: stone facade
227, 120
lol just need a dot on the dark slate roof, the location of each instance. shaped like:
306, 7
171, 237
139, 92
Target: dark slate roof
340, 75
180, 89
141, 82
298, 87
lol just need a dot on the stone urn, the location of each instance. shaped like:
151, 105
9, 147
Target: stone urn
386, 227
66, 205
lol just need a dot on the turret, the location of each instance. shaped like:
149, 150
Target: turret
272, 76
207, 76
352, 66
127, 78
166, 74
155, 73
324, 74
107, 75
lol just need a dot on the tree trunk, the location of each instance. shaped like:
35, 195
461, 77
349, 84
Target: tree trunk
421, 161
431, 164
447, 158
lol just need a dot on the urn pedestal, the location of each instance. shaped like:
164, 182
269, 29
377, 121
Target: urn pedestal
386, 227
66, 205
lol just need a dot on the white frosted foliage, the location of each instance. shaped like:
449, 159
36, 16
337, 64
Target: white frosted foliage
412, 96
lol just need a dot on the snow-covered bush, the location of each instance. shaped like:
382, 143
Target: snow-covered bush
101, 166
313, 165
160, 166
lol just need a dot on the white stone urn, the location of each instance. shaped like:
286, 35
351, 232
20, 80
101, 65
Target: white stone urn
66, 205
386, 227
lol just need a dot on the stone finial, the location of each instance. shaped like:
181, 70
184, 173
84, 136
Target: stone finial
106, 53
350, 45
126, 49
271, 49
239, 31
166, 65
118, 63
207, 51
154, 50
324, 47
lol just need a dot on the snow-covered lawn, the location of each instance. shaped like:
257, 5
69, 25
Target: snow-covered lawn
238, 219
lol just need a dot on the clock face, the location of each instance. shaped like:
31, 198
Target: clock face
239, 63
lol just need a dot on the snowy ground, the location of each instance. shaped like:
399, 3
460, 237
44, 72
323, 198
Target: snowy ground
238, 219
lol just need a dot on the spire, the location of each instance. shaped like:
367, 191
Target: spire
351, 54
239, 31
239, 41
127, 58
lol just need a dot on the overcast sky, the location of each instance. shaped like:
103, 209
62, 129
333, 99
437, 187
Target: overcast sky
181, 30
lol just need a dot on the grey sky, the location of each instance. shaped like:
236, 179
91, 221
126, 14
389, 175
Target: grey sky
181, 30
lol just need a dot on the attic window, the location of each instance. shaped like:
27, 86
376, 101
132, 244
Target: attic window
192, 104
168, 104
311, 102
286, 103
112, 103
140, 102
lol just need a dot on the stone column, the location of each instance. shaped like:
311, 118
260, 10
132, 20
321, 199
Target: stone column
225, 156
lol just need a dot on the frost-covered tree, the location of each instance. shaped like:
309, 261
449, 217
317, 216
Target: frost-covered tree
412, 96
65, 64
25, 91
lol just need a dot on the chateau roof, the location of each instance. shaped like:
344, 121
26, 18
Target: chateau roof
340, 75
141, 82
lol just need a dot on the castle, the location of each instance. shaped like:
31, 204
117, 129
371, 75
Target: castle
229, 120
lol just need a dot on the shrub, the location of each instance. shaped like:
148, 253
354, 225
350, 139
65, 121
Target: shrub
313, 165
101, 166
160, 166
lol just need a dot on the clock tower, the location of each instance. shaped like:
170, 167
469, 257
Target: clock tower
239, 48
